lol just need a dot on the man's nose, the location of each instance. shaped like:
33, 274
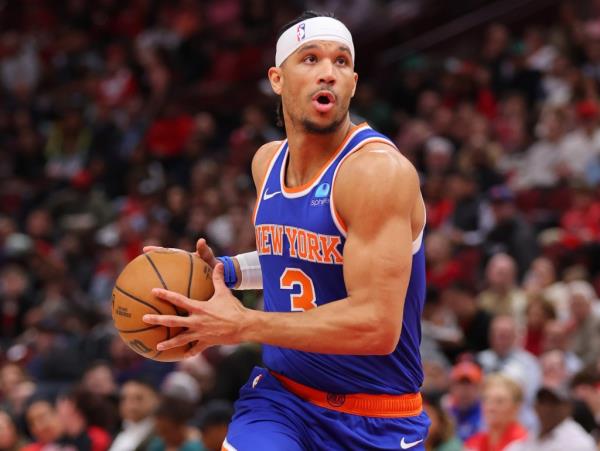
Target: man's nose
326, 74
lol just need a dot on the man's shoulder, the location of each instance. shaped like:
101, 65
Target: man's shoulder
267, 150
262, 158
376, 162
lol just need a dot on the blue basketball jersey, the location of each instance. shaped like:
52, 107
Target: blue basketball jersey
300, 241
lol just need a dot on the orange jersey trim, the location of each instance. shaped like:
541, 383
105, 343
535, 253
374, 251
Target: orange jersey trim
364, 404
314, 178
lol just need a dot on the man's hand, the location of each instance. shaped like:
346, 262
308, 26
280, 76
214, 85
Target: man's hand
214, 322
203, 251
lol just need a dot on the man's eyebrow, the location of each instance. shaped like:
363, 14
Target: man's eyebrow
343, 48
308, 47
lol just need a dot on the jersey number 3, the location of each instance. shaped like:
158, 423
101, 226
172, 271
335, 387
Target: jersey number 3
305, 300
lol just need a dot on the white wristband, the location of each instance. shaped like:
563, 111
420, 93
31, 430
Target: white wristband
251, 272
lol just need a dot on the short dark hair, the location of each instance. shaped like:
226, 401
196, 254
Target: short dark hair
305, 15
175, 409
213, 413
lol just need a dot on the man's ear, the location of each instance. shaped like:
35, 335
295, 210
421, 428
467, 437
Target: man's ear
355, 83
276, 79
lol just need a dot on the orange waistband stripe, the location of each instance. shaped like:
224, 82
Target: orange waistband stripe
364, 404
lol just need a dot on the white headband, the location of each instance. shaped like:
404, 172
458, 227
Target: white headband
316, 28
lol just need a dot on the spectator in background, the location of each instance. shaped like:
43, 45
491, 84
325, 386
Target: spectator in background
502, 295
502, 399
582, 145
86, 420
464, 399
45, 424
540, 167
556, 338
507, 356
580, 224
537, 314
510, 234
441, 435
10, 437
138, 404
171, 429
213, 421
472, 321
558, 430
584, 324
585, 387
442, 269
554, 369
466, 226
541, 280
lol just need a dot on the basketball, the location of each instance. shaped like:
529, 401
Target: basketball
132, 298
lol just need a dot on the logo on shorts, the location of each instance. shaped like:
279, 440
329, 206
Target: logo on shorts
301, 31
336, 400
256, 380
407, 445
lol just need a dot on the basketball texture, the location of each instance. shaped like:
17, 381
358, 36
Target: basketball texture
132, 298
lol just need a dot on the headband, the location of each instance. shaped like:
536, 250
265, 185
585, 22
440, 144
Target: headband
316, 28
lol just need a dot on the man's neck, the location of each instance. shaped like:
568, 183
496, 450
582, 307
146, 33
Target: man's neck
308, 152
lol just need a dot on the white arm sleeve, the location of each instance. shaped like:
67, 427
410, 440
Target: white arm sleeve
251, 272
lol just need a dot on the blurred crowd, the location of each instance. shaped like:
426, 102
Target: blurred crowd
130, 123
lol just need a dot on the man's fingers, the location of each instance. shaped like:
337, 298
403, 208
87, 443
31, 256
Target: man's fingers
178, 340
178, 300
218, 277
206, 253
168, 320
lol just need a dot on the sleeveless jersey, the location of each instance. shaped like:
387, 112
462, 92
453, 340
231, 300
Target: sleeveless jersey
300, 241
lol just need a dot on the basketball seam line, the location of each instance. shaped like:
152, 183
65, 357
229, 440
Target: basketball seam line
191, 273
156, 271
131, 331
137, 299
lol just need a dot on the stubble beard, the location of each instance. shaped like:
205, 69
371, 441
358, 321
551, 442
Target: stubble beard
311, 127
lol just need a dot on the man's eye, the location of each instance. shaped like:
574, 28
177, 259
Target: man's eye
341, 60
310, 59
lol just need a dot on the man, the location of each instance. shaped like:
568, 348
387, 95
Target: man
502, 295
138, 403
558, 431
473, 321
339, 223
465, 399
508, 357
511, 233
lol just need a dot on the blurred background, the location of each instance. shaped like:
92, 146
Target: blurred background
133, 122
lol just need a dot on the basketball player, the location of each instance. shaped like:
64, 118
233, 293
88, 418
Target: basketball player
339, 223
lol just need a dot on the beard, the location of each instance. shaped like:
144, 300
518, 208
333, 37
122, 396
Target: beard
311, 127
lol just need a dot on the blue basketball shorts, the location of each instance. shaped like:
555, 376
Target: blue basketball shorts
268, 417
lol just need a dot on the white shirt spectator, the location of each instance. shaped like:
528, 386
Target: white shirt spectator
578, 150
568, 435
539, 166
132, 435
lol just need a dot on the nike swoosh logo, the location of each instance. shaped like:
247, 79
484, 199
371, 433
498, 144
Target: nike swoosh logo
267, 196
408, 445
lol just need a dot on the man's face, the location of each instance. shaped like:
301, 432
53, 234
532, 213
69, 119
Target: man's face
137, 401
465, 393
316, 83
43, 422
503, 336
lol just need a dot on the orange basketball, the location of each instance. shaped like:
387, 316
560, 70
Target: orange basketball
132, 298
